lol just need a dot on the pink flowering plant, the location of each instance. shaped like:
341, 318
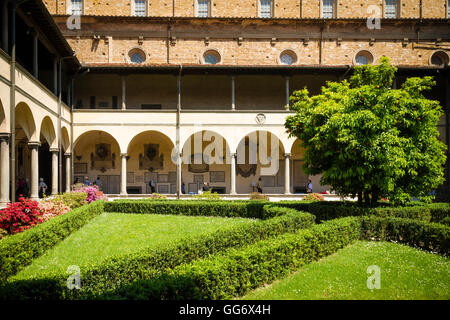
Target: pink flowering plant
92, 192
51, 208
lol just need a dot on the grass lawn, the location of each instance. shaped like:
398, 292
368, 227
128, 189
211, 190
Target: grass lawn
406, 273
117, 233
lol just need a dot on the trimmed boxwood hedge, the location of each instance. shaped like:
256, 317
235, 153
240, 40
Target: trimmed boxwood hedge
17, 251
237, 271
114, 272
326, 210
220, 208
428, 236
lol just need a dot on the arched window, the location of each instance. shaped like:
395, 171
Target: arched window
363, 57
211, 57
439, 58
136, 55
288, 57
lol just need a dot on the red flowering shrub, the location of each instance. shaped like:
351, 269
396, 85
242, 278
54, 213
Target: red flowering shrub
19, 216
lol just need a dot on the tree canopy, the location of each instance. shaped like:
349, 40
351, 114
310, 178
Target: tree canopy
368, 139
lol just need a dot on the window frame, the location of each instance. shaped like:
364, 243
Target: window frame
135, 50
333, 9
213, 51
292, 53
133, 8
197, 8
272, 9
370, 60
397, 9
69, 7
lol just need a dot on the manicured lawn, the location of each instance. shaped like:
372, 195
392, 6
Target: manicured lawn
118, 233
406, 273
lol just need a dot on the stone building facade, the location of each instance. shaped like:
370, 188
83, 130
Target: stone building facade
149, 78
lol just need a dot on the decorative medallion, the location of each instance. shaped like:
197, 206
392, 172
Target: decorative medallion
260, 118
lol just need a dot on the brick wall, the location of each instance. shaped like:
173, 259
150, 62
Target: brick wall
249, 8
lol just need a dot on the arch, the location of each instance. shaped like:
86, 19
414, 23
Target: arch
260, 155
96, 153
209, 141
264, 131
138, 136
211, 56
48, 132
206, 159
90, 132
65, 140
439, 58
150, 157
25, 119
366, 56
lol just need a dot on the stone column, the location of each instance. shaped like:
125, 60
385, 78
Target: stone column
233, 174
4, 164
68, 166
179, 176
123, 183
124, 93
287, 174
34, 147
287, 90
54, 171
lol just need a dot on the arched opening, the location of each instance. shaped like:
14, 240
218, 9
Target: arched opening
47, 140
97, 155
150, 168
25, 133
65, 142
260, 155
206, 159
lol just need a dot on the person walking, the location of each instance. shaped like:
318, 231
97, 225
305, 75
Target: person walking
259, 186
152, 186
205, 187
42, 188
87, 181
99, 184
183, 188
309, 187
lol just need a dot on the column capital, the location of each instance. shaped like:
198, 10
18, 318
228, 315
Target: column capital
124, 155
234, 154
287, 155
54, 150
34, 144
5, 136
67, 154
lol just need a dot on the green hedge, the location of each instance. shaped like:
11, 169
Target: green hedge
244, 209
235, 272
326, 210
117, 271
17, 251
428, 236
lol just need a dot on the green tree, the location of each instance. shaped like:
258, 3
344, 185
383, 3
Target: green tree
369, 140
